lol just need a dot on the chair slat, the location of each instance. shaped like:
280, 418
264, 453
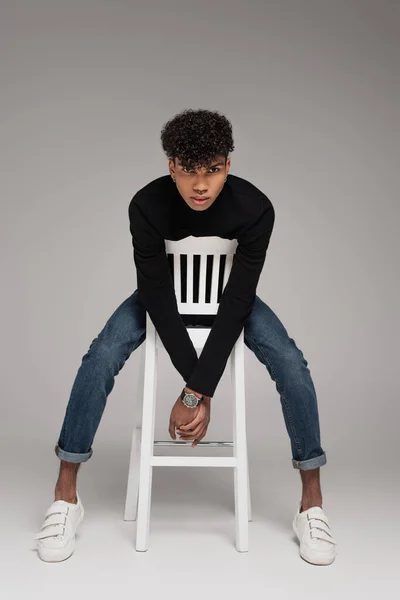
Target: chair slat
177, 277
202, 278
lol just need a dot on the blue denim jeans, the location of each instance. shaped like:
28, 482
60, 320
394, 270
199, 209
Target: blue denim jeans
125, 331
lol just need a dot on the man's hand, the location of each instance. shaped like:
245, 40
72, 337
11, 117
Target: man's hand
190, 423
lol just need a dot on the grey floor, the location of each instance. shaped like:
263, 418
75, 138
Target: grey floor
191, 550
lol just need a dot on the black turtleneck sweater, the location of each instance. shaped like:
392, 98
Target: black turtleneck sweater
157, 212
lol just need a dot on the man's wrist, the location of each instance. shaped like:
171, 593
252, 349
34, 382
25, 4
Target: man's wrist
198, 394
190, 391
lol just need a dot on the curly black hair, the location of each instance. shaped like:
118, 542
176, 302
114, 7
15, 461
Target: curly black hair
196, 137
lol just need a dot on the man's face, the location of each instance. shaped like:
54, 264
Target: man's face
200, 183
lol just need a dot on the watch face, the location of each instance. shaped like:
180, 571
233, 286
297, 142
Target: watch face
190, 400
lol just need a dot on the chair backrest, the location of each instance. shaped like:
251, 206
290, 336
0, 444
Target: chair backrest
221, 252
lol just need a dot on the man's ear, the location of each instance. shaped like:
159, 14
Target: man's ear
171, 168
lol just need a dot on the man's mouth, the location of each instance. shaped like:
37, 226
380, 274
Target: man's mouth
199, 200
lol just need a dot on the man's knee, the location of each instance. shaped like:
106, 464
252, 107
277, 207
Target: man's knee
103, 352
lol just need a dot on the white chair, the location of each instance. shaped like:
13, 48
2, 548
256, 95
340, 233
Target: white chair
142, 459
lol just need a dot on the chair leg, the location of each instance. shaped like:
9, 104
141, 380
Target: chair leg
249, 518
241, 477
147, 442
133, 473
133, 479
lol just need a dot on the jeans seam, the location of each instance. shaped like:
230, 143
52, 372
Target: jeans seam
281, 393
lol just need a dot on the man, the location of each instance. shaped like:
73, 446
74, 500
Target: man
197, 198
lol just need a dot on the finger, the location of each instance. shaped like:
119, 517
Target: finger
193, 433
171, 430
186, 437
190, 427
199, 437
198, 434
192, 424
189, 435
202, 434
198, 430
196, 441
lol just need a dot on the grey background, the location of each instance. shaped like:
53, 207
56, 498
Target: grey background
312, 90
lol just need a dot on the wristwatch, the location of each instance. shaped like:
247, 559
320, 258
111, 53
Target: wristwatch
190, 400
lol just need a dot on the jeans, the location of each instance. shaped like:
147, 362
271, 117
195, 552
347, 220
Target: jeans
125, 331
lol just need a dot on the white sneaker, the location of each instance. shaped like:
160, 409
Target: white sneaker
56, 539
317, 545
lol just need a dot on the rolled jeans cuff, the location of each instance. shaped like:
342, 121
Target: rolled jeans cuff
73, 457
311, 463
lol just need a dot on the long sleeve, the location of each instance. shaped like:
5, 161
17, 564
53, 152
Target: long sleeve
156, 291
235, 303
